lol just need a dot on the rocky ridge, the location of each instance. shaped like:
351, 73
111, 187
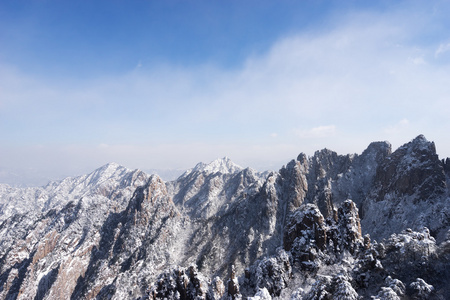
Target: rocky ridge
112, 182
221, 231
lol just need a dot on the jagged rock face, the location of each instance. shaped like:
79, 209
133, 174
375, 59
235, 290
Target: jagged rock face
272, 273
239, 235
328, 179
357, 182
135, 245
206, 190
412, 169
293, 182
73, 252
349, 226
409, 190
326, 166
389, 188
233, 285
53, 254
43, 254
221, 201
306, 223
111, 181
308, 234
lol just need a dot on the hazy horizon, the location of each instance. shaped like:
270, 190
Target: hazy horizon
165, 85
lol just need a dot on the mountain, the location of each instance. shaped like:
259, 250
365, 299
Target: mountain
112, 182
207, 188
329, 226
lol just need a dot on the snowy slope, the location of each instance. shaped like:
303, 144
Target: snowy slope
207, 189
111, 181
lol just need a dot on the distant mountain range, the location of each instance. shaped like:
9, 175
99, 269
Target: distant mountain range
374, 225
32, 177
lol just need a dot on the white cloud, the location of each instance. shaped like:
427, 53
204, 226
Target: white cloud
398, 128
317, 132
418, 60
442, 49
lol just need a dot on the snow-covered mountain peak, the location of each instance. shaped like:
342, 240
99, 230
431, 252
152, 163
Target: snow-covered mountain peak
375, 147
111, 181
110, 165
109, 169
111, 172
419, 144
220, 165
420, 139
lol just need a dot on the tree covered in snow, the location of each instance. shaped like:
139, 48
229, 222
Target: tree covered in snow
272, 273
394, 289
338, 287
320, 289
413, 245
262, 294
386, 293
185, 284
342, 289
421, 289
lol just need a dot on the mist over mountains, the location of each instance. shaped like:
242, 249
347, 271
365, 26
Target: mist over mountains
329, 226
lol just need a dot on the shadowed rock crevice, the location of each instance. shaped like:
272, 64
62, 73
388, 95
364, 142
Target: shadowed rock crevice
106, 292
22, 268
98, 254
46, 283
414, 168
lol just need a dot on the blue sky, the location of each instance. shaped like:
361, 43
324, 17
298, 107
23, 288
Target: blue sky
166, 84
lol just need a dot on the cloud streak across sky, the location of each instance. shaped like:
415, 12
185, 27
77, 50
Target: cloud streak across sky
361, 75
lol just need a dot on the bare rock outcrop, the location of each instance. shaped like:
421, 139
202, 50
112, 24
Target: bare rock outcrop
414, 168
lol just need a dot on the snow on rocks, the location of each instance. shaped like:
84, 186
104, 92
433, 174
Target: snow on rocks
349, 226
305, 225
262, 294
272, 273
112, 182
307, 234
220, 165
421, 289
411, 245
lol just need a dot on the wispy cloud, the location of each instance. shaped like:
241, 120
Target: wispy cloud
317, 132
397, 128
418, 60
443, 48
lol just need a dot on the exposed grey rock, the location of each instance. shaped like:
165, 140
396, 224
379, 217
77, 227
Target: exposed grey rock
414, 168
272, 273
306, 231
233, 285
409, 190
